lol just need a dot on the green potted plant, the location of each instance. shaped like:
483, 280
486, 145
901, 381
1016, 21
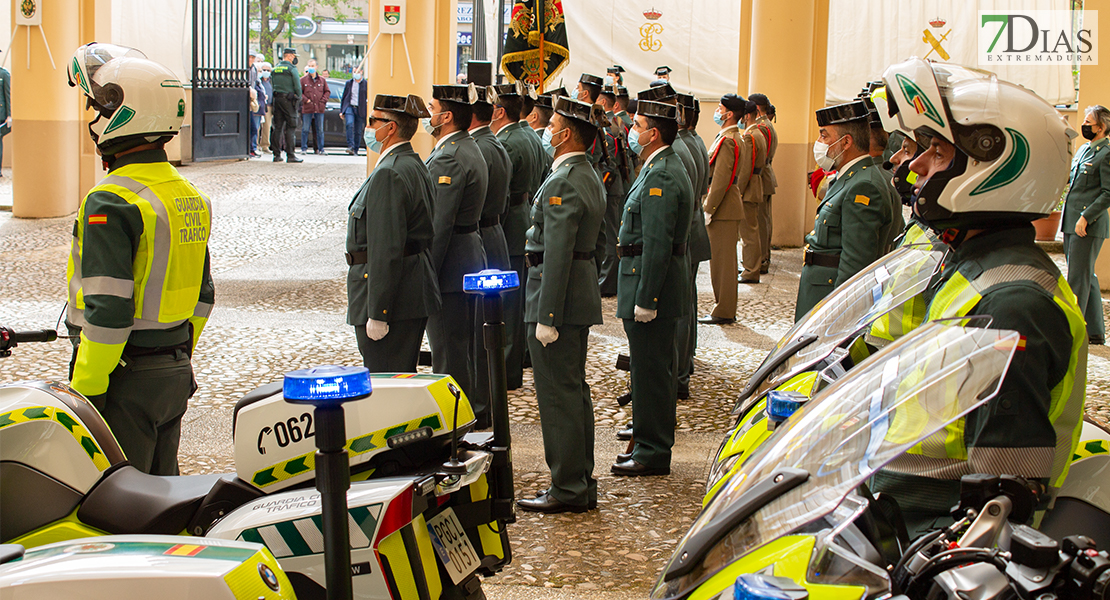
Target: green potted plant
1047, 227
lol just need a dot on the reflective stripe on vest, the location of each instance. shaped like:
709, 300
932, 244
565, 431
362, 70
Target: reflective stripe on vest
945, 455
168, 265
904, 319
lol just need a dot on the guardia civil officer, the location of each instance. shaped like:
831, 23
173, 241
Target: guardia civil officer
616, 185
140, 288
528, 163
1085, 223
562, 303
614, 76
663, 73
391, 284
1031, 427
770, 181
460, 177
493, 237
653, 292
730, 168
287, 93
588, 90
853, 221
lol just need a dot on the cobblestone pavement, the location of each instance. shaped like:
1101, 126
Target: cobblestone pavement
277, 244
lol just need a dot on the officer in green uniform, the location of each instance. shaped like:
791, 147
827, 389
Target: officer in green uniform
562, 303
1085, 223
878, 147
528, 162
588, 90
493, 237
653, 292
852, 228
616, 185
287, 93
460, 177
140, 288
5, 109
391, 285
983, 196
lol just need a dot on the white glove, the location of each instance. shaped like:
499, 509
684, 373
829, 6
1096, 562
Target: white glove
708, 219
546, 334
376, 330
643, 315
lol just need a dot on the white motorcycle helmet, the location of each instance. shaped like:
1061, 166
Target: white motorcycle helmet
1013, 150
138, 101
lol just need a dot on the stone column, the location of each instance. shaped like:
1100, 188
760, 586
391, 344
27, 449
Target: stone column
798, 30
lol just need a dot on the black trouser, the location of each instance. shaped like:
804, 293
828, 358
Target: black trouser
397, 352
285, 120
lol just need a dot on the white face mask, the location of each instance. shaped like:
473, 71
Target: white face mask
821, 155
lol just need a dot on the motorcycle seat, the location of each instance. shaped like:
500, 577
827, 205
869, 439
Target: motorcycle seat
128, 501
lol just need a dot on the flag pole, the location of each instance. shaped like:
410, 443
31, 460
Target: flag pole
541, 9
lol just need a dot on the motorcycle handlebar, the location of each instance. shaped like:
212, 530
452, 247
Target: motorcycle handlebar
9, 338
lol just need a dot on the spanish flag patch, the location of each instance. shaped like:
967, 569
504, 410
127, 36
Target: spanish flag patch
655, 192
184, 550
555, 201
98, 219
445, 180
864, 200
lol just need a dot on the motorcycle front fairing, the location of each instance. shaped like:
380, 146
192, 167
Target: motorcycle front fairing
771, 514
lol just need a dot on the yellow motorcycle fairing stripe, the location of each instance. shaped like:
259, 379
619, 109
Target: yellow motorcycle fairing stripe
392, 547
490, 539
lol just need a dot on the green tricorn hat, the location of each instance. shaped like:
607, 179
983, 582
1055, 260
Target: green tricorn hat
509, 90
842, 113
585, 112
661, 71
622, 92
546, 99
615, 69
656, 110
689, 102
411, 105
657, 93
591, 79
609, 90
463, 94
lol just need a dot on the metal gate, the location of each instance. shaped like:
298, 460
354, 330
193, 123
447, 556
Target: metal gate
221, 104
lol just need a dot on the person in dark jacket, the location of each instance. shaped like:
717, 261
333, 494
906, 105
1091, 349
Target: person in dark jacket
353, 108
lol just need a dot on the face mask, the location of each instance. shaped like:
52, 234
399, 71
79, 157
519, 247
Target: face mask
310, 70
634, 142
1088, 132
549, 146
265, 74
370, 136
608, 80
427, 123
294, 61
821, 156
358, 76
719, 119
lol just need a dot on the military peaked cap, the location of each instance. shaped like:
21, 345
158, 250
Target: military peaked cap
463, 94
656, 110
292, 51
842, 113
411, 105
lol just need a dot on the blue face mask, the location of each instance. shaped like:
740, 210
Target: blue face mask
545, 140
310, 70
358, 76
634, 142
719, 119
264, 74
370, 136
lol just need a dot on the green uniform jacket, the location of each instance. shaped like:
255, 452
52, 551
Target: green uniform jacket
5, 95
460, 178
1089, 194
527, 156
613, 177
497, 197
392, 211
566, 218
286, 79
853, 221
898, 220
657, 215
699, 249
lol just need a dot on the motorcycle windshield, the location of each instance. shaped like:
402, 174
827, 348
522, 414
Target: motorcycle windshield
880, 288
883, 407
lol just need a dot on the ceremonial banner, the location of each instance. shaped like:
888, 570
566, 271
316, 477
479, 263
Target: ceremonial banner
532, 55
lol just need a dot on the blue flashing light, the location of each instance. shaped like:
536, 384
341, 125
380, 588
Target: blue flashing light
490, 281
329, 384
753, 586
780, 405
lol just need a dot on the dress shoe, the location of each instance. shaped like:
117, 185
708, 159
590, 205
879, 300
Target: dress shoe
546, 503
592, 504
711, 320
292, 158
747, 281
625, 434
624, 399
764, 270
624, 457
277, 158
631, 468
1096, 341
683, 392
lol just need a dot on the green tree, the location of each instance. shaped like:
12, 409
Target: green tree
284, 11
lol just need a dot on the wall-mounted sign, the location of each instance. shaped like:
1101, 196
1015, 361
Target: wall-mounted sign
465, 38
28, 13
392, 19
303, 27
465, 13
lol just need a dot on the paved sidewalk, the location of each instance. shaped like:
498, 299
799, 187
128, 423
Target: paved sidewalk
277, 257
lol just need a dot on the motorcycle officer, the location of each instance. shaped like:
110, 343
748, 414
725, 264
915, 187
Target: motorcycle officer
995, 156
140, 289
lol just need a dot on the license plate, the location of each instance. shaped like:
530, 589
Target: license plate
452, 545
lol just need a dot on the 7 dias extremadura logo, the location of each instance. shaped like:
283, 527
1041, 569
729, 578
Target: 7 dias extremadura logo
1038, 37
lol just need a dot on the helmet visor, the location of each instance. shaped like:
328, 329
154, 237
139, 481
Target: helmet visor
87, 61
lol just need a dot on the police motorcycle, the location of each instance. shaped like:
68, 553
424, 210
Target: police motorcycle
818, 349
425, 512
795, 514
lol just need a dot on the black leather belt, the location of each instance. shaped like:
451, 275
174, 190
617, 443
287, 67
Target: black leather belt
359, 258
493, 221
757, 170
638, 249
535, 259
465, 229
818, 259
517, 200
